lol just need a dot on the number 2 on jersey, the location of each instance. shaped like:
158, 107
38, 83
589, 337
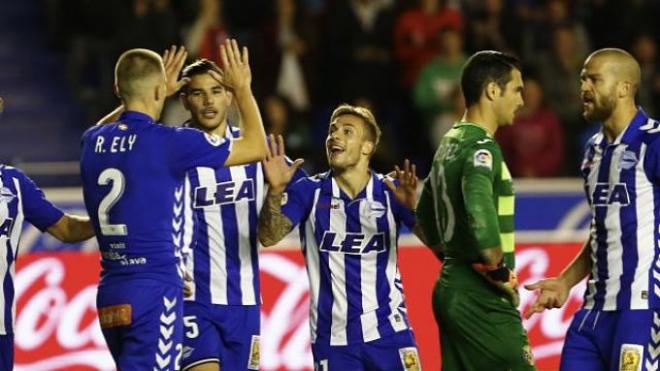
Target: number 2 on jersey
118, 183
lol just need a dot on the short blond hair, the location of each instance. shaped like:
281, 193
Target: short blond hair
373, 130
136, 71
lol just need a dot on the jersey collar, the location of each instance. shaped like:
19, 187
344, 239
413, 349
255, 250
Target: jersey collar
468, 123
133, 116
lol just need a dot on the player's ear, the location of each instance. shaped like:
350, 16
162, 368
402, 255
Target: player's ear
492, 90
624, 89
368, 148
115, 88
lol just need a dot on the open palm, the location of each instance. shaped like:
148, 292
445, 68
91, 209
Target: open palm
406, 191
277, 169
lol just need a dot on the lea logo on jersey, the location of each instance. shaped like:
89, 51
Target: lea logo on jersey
224, 193
353, 243
6, 227
605, 194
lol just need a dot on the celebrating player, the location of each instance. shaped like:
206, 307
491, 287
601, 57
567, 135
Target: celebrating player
618, 325
349, 222
466, 207
133, 174
21, 199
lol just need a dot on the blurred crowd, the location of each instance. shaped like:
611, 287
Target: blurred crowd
402, 58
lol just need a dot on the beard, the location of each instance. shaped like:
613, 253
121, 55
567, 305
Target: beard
601, 110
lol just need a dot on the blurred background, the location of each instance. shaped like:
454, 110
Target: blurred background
402, 58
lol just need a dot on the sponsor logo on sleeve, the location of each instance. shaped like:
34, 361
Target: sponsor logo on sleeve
483, 158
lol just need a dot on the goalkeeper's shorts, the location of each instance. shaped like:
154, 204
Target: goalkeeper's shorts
480, 332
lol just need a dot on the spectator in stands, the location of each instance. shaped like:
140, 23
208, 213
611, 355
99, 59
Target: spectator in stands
280, 119
556, 13
207, 31
491, 26
416, 35
534, 145
645, 51
285, 61
149, 24
358, 51
558, 70
438, 80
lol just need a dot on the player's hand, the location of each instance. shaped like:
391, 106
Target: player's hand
173, 59
553, 294
277, 170
237, 75
406, 192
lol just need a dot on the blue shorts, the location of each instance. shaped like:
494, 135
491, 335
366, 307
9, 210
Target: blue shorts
6, 352
224, 334
142, 324
394, 352
613, 340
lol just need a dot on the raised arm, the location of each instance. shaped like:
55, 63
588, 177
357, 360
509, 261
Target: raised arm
273, 224
173, 60
72, 228
237, 77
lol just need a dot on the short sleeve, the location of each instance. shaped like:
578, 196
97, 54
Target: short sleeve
297, 200
37, 210
652, 162
482, 162
190, 148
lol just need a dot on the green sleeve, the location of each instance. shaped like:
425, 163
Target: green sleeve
426, 214
479, 169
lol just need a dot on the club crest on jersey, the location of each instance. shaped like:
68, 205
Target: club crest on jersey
224, 193
483, 158
375, 209
628, 160
353, 243
213, 139
6, 196
6, 227
605, 194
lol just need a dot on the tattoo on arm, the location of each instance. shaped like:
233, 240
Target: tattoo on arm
273, 225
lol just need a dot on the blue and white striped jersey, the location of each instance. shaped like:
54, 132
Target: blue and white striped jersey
20, 199
133, 173
350, 248
622, 183
225, 204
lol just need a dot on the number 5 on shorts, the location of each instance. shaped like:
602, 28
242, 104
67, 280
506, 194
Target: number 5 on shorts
192, 330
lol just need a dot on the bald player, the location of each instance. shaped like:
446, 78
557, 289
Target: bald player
618, 327
133, 173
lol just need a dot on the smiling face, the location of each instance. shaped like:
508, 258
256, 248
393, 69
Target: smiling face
207, 101
597, 90
347, 143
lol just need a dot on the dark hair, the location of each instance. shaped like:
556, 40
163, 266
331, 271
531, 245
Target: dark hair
484, 67
199, 67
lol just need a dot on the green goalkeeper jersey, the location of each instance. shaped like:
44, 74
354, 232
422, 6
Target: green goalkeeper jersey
467, 204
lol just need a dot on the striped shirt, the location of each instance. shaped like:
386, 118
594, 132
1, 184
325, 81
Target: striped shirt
225, 204
20, 199
622, 184
350, 248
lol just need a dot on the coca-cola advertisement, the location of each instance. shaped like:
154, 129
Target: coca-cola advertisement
57, 327
56, 324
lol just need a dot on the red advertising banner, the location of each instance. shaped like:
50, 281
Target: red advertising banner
57, 328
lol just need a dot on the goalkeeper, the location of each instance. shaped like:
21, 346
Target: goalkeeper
466, 208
